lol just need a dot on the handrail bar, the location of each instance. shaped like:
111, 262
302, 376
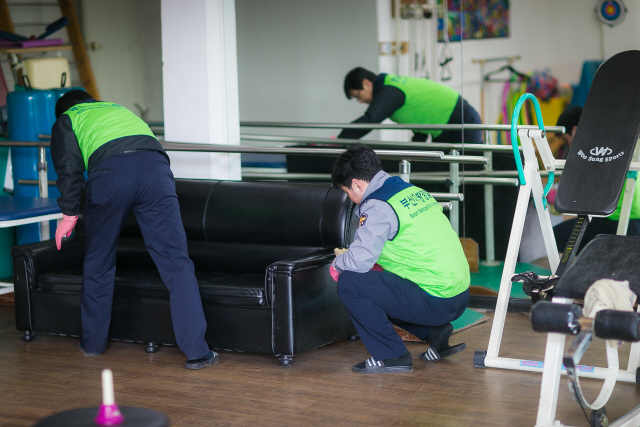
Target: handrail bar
444, 146
429, 156
415, 126
326, 177
439, 146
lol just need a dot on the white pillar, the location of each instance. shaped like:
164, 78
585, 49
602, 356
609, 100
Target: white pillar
391, 30
200, 85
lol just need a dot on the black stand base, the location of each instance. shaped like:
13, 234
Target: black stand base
151, 347
285, 360
28, 336
478, 359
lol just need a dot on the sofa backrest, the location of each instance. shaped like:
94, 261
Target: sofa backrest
271, 213
310, 214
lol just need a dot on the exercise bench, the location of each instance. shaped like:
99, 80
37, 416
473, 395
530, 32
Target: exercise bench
599, 162
606, 256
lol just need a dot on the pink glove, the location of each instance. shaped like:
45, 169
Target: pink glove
377, 267
65, 228
334, 273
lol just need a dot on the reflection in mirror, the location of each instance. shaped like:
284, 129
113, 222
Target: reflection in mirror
293, 57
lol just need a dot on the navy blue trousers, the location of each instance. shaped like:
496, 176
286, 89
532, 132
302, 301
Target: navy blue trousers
376, 300
141, 182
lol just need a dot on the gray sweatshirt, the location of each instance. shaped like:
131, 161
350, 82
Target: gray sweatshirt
380, 224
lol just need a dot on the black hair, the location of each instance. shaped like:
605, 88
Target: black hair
353, 79
570, 117
357, 162
69, 99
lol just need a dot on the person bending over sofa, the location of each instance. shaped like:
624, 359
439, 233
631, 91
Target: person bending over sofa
128, 171
405, 266
410, 100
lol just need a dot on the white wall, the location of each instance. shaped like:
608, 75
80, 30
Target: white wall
293, 56
128, 64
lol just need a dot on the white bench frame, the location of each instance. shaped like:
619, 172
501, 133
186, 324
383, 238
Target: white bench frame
552, 366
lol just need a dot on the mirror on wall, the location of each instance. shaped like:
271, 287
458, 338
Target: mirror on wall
293, 57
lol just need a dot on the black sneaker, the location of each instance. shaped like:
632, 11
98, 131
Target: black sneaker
85, 352
201, 362
396, 364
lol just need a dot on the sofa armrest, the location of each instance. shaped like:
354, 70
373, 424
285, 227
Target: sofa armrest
310, 260
306, 309
33, 259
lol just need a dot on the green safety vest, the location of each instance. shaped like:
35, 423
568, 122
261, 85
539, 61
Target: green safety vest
426, 101
426, 250
96, 123
635, 204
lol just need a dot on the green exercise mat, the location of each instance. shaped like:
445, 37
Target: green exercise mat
468, 319
489, 277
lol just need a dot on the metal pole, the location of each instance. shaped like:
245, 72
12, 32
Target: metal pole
489, 232
44, 190
416, 126
454, 174
405, 170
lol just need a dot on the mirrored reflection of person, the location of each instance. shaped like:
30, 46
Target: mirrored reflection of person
410, 100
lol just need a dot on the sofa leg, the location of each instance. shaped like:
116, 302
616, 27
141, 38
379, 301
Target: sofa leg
151, 347
28, 336
285, 360
354, 337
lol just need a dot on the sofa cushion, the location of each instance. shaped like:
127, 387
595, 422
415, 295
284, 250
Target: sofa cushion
217, 288
218, 257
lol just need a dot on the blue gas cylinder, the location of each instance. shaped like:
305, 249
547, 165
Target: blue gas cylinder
30, 113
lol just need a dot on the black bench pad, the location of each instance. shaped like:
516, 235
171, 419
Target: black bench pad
605, 257
604, 141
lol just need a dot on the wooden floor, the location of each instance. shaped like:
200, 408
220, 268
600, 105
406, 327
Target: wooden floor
50, 375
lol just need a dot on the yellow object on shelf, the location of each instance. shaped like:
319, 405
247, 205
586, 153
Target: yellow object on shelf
46, 73
550, 110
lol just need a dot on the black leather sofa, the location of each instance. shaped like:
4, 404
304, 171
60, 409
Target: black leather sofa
261, 252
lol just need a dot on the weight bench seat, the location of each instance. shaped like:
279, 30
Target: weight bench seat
605, 257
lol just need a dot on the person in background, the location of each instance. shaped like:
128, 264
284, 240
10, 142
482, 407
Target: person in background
410, 100
569, 119
128, 171
405, 266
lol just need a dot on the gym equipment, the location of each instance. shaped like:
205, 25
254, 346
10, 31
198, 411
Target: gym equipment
591, 184
605, 256
108, 413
